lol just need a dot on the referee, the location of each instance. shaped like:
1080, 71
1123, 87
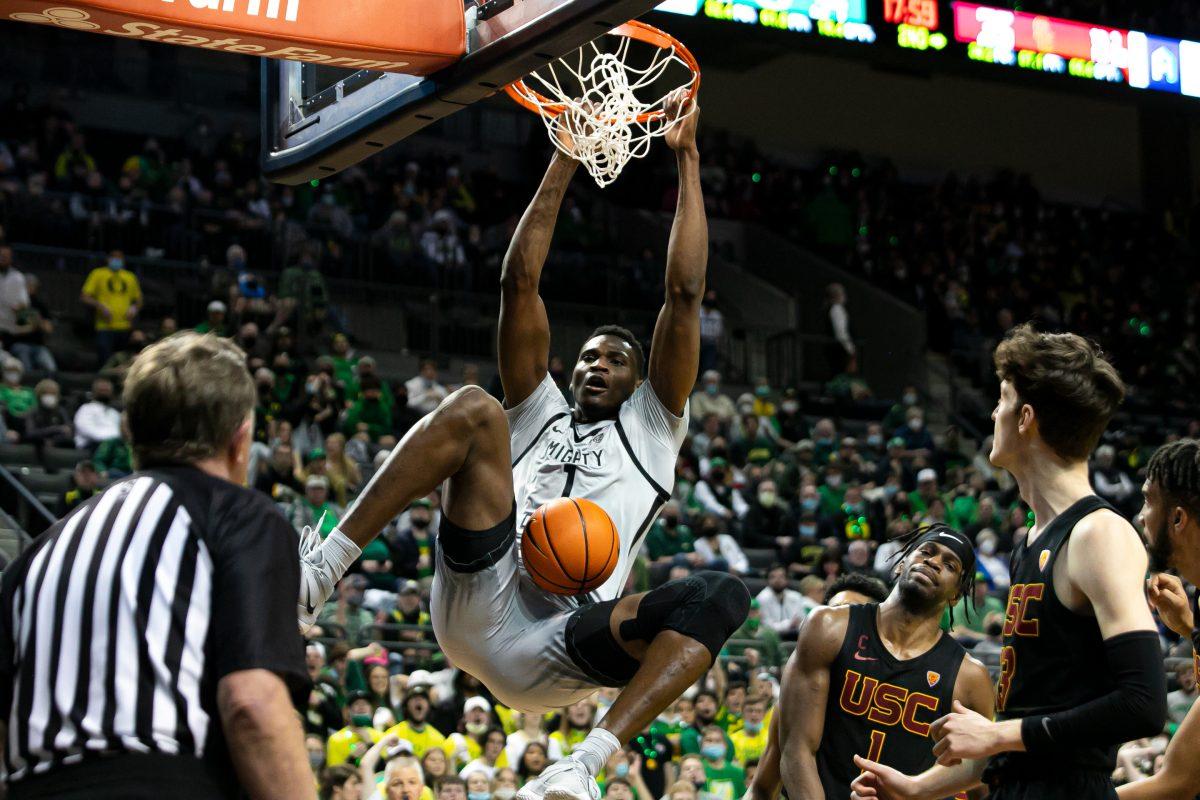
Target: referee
148, 642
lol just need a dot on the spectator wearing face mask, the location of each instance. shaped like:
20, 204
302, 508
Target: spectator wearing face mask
468, 742
718, 550
832, 491
783, 609
792, 427
705, 710
115, 295
992, 642
353, 740
824, 435
412, 545
897, 413
716, 495
726, 780
369, 414
48, 424
766, 640
751, 741
709, 399
768, 523
991, 563
917, 441
670, 539
16, 400
97, 420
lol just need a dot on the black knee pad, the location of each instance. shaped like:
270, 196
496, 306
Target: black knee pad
594, 649
470, 551
707, 607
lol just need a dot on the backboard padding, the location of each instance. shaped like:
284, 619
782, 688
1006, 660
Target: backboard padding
308, 134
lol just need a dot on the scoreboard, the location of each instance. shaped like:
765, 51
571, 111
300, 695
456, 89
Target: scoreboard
979, 33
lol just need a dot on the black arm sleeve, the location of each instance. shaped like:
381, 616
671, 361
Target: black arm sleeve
256, 580
1136, 707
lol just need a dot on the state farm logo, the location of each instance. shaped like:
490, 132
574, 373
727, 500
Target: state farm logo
254, 8
74, 18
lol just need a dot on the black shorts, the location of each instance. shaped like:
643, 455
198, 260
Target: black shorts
1070, 786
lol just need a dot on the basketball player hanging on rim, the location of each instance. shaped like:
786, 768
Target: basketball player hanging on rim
870, 680
617, 447
1081, 668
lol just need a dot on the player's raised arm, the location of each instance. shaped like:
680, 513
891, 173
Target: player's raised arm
675, 351
524, 341
805, 689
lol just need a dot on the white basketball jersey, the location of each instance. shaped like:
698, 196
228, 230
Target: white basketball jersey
625, 465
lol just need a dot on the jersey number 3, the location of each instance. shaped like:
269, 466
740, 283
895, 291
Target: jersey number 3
1008, 667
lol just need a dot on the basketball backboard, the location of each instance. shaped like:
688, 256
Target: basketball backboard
319, 120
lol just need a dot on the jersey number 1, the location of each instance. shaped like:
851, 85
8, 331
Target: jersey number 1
875, 753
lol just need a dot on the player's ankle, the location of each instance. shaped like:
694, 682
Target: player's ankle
594, 751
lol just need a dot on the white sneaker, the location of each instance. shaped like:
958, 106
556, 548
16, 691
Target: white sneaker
322, 565
566, 780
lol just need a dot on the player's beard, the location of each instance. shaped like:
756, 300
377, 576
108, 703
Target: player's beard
916, 599
1161, 550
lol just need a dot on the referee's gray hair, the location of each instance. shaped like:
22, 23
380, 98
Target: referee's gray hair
185, 398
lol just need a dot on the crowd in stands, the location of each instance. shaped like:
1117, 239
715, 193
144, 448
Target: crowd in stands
409, 219
794, 503
977, 254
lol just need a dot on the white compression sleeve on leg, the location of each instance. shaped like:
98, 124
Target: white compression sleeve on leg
594, 751
320, 569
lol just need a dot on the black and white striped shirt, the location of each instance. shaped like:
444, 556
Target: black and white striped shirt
117, 624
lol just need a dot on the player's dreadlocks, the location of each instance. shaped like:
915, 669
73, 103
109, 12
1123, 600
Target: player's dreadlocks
924, 533
1175, 469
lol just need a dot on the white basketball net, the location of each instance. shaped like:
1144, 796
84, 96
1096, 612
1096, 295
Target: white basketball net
595, 107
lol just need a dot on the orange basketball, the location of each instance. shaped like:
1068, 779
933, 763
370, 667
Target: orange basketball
570, 546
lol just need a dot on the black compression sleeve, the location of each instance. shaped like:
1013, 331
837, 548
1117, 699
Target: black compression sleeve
1136, 707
